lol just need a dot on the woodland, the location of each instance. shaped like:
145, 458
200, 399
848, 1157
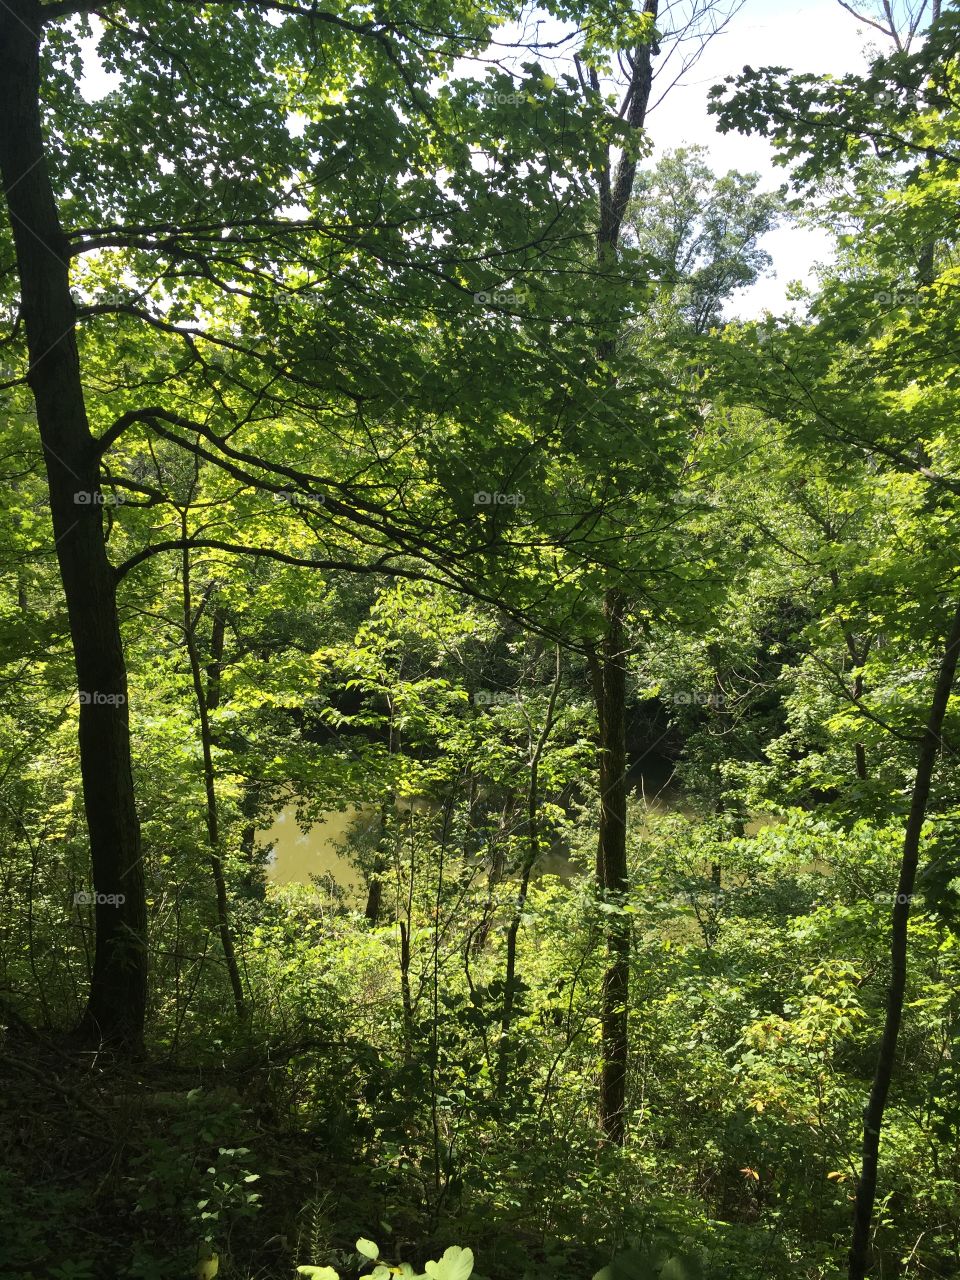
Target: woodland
379, 435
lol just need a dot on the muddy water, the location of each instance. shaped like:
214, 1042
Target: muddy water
297, 855
318, 851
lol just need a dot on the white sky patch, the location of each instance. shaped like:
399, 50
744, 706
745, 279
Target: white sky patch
96, 82
819, 37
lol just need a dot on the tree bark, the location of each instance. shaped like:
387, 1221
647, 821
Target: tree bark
380, 861
375, 886
613, 859
859, 1261
117, 998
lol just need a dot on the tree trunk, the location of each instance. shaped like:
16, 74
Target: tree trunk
608, 671
380, 863
218, 638
612, 859
209, 776
405, 995
375, 886
530, 860
117, 999
873, 1115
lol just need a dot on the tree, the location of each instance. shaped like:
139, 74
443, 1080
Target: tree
118, 990
701, 234
191, 230
888, 415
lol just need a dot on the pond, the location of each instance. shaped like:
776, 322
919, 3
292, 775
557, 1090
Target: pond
297, 855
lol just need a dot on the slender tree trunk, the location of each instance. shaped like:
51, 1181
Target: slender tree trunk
859, 1262
406, 927
209, 781
405, 995
218, 637
859, 749
380, 861
596, 682
858, 656
494, 875
117, 999
530, 860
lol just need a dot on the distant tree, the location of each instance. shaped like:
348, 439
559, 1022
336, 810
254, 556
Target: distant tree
701, 233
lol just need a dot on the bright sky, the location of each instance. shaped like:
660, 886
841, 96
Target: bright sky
817, 36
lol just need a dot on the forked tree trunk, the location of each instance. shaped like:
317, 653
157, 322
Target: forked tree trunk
117, 998
859, 1260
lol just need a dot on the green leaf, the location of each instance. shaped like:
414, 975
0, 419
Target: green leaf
368, 1248
456, 1264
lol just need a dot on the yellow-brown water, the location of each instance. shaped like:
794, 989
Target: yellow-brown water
318, 851
297, 855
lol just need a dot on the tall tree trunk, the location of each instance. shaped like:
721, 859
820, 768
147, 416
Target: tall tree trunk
117, 999
494, 874
858, 656
608, 671
873, 1115
612, 858
218, 636
380, 861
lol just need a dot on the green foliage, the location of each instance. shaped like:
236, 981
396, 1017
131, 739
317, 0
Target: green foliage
456, 1264
358, 287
